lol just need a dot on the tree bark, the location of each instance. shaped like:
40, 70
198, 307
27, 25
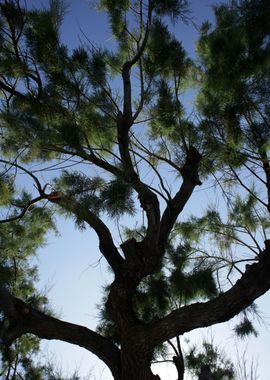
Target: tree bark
253, 283
137, 365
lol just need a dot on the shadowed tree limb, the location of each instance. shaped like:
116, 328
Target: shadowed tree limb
23, 319
253, 284
25, 208
106, 244
190, 180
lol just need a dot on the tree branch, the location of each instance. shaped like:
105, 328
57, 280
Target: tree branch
247, 188
266, 168
16, 165
24, 210
253, 283
148, 199
23, 319
141, 49
11, 90
106, 244
175, 206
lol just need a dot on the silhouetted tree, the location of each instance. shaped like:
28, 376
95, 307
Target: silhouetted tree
59, 104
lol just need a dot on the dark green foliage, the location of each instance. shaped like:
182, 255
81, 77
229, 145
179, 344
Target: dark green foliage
5, 189
116, 198
212, 356
245, 328
98, 67
244, 212
165, 113
54, 86
98, 195
116, 10
158, 61
19, 241
233, 98
106, 327
152, 298
189, 285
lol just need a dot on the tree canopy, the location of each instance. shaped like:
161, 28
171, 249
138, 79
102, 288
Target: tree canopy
120, 115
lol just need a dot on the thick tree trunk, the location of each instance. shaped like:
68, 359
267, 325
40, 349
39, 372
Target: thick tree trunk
137, 367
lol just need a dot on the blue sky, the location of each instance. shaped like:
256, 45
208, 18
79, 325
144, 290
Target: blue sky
69, 265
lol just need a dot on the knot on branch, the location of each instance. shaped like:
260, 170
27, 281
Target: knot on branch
54, 196
22, 308
146, 203
126, 68
190, 170
12, 307
260, 270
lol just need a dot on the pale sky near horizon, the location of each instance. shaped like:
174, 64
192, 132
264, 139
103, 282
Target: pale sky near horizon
69, 264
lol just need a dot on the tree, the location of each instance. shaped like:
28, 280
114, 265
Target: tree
58, 105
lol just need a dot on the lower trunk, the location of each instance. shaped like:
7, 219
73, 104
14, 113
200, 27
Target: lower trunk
138, 373
137, 367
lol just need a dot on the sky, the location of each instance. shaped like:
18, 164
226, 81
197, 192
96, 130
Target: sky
70, 267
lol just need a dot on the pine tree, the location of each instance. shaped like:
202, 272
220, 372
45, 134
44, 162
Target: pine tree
58, 104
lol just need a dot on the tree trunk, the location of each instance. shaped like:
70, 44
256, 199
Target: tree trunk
136, 364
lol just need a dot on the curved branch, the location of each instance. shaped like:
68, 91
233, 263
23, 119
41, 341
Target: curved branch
175, 206
106, 244
11, 90
24, 210
148, 199
23, 319
90, 157
141, 49
39, 187
159, 177
141, 147
247, 188
266, 168
253, 283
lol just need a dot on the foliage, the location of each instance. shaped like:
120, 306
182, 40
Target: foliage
221, 366
19, 242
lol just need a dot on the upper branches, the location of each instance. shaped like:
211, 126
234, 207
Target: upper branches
81, 212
